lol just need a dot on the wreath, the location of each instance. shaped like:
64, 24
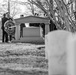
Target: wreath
10, 27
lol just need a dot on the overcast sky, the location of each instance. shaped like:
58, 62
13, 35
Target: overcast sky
22, 7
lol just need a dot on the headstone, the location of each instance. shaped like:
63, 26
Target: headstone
56, 51
31, 32
71, 55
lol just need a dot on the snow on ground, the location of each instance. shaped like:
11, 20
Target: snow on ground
22, 59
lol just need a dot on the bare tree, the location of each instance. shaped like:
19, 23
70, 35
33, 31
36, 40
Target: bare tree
62, 9
65, 18
30, 6
14, 10
11, 6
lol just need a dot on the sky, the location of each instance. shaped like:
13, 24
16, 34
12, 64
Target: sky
1, 1
22, 7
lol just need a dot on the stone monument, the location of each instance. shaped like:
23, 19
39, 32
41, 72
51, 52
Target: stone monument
60, 51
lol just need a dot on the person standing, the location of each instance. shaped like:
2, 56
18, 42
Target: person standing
9, 18
43, 28
22, 25
4, 34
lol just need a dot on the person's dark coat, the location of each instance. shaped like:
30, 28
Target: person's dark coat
43, 27
21, 29
4, 19
22, 25
4, 34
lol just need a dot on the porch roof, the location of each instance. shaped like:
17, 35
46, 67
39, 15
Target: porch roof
32, 19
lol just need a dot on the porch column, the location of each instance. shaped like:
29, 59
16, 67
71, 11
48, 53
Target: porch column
47, 29
17, 34
41, 31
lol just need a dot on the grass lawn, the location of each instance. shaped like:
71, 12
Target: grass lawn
22, 59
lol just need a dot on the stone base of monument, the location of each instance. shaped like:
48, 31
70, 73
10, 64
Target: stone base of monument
34, 40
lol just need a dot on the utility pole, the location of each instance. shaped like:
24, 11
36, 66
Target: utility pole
32, 8
75, 4
9, 6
